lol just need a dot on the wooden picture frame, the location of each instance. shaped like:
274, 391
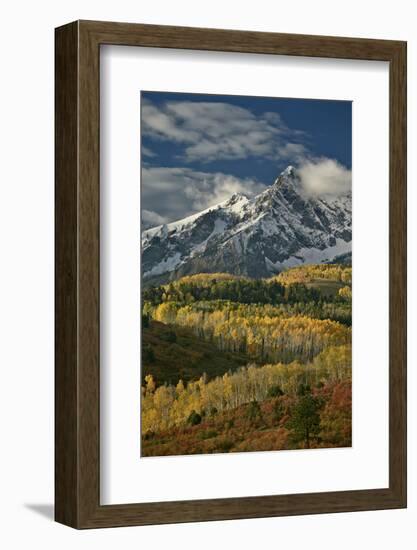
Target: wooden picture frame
77, 405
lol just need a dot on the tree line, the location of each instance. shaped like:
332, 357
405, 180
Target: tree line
167, 406
260, 332
247, 291
307, 273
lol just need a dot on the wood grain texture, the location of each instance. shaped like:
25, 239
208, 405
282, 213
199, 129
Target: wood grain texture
78, 284
66, 237
398, 273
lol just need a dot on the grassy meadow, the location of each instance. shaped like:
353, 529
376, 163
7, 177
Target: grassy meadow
232, 364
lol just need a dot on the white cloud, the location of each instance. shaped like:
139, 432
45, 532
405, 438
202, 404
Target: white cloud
170, 194
295, 152
178, 192
146, 152
325, 177
151, 218
211, 131
208, 131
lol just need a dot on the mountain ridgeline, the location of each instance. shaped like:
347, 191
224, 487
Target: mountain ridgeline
282, 227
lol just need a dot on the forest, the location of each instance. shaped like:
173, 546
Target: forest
232, 364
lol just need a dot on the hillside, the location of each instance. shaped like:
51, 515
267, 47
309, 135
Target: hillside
233, 363
266, 426
171, 353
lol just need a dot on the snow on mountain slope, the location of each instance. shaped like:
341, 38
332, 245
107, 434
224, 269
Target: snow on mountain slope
281, 227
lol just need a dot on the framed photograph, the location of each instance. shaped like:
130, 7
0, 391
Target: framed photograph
230, 274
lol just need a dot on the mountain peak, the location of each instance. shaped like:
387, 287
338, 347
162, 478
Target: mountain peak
236, 197
280, 227
236, 203
287, 175
289, 180
289, 171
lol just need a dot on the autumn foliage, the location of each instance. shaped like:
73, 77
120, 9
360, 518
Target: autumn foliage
293, 391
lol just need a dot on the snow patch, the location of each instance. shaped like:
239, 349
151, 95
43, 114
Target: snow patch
219, 226
315, 255
236, 205
169, 264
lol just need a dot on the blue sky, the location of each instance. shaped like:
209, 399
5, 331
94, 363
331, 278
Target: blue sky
198, 149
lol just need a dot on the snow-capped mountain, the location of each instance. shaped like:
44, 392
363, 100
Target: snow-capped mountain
281, 227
